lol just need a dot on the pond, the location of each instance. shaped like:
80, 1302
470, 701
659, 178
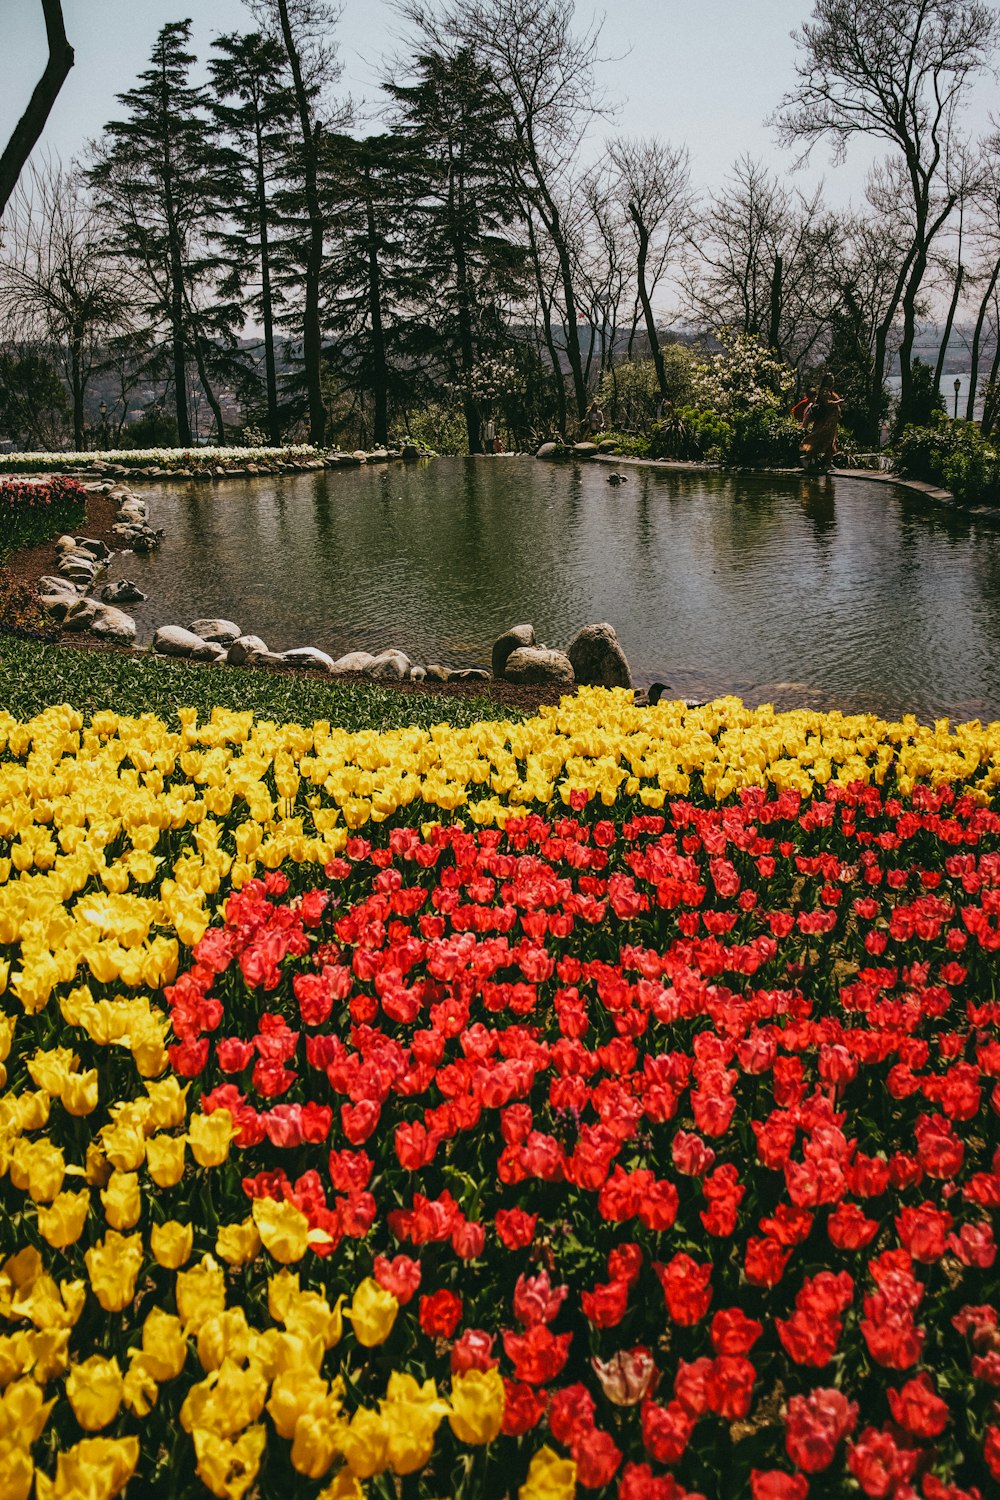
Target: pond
818, 592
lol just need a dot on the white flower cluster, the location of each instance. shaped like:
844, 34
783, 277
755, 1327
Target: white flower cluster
742, 376
164, 458
492, 378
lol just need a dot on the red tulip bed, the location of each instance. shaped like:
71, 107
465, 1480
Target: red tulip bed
688, 1124
32, 510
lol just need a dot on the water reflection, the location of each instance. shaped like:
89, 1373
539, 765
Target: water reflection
816, 590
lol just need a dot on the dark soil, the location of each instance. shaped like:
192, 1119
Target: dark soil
34, 562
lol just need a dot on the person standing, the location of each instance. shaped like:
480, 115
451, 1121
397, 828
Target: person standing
819, 442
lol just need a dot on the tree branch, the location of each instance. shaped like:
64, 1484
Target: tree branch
31, 124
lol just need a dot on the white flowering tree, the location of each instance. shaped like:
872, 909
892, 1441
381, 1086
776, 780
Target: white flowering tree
742, 376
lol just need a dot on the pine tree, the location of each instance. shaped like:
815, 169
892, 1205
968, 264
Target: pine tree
469, 247
374, 279
152, 173
254, 108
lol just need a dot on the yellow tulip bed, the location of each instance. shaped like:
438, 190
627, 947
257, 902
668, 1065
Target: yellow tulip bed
163, 1329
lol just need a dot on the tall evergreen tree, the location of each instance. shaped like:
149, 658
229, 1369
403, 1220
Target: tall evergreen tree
470, 254
152, 175
254, 106
374, 277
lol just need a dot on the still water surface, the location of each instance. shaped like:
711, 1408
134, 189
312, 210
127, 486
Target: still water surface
798, 591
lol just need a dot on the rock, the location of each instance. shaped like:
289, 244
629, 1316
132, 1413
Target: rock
81, 614
437, 673
308, 656
266, 659
243, 647
378, 456
417, 674
64, 543
393, 665
113, 625
122, 592
208, 651
172, 640
409, 453
550, 451
354, 661
96, 549
223, 632
517, 635
57, 605
539, 664
469, 674
598, 659
54, 583
584, 450
360, 456
656, 692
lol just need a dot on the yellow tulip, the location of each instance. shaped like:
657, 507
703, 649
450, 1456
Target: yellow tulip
237, 1244
209, 1137
165, 1159
171, 1243
293, 1393
38, 1168
200, 1292
365, 1444
549, 1477
114, 1459
372, 1313
227, 1334
164, 1346
168, 1105
227, 1468
477, 1406
317, 1441
283, 1228
113, 1265
80, 1093
122, 1200
343, 1487
17, 1471
95, 1390
61, 1224
140, 1391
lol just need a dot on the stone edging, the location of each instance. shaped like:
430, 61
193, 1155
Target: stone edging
594, 656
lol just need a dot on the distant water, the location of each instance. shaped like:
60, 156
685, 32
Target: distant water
798, 591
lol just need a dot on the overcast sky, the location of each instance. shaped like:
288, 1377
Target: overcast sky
702, 72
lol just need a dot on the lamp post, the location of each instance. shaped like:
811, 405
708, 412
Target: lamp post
103, 409
958, 387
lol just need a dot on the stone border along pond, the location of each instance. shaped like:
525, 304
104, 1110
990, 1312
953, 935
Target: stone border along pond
594, 657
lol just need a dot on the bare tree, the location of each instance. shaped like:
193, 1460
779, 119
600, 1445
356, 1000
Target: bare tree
653, 181
31, 124
761, 263
543, 74
982, 263
59, 283
897, 76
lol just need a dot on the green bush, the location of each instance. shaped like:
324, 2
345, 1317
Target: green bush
624, 443
954, 455
763, 440
689, 433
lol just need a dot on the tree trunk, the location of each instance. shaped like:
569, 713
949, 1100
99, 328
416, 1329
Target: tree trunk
380, 371
267, 310
31, 124
774, 322
977, 338
312, 340
206, 385
544, 304
76, 384
179, 354
463, 291
647, 309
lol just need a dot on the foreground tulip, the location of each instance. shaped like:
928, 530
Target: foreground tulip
210, 1136
95, 1389
372, 1313
549, 1477
283, 1229
237, 1244
61, 1224
164, 1346
94, 1469
228, 1467
171, 1243
113, 1265
477, 1406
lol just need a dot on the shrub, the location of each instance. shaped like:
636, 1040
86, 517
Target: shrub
954, 455
763, 440
626, 444
689, 433
20, 612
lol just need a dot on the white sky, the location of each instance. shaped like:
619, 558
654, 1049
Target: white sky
706, 74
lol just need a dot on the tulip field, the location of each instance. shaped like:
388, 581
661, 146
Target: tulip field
605, 1103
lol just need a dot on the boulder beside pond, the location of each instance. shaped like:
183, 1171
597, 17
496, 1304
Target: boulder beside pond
243, 648
598, 659
517, 635
224, 632
172, 640
539, 664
